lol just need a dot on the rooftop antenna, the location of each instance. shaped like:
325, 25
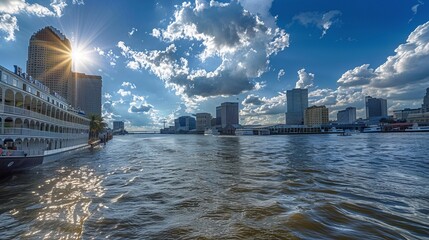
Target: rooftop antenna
164, 122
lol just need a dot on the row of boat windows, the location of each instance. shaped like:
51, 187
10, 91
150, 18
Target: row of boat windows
9, 79
33, 104
18, 123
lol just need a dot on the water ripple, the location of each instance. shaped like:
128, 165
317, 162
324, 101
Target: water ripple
367, 186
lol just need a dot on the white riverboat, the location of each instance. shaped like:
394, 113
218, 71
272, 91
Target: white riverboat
372, 129
417, 128
36, 126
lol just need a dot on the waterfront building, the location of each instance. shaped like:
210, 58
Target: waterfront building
376, 108
87, 93
297, 102
229, 114
203, 121
316, 116
36, 126
419, 118
184, 124
218, 116
118, 126
49, 61
425, 105
346, 116
403, 114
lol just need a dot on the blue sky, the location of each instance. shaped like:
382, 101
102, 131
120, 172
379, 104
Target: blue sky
163, 59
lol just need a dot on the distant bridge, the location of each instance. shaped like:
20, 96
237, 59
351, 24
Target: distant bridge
144, 132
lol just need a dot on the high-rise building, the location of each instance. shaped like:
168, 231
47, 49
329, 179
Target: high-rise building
375, 107
184, 124
229, 114
425, 105
316, 115
87, 93
403, 114
297, 102
49, 61
118, 126
346, 116
218, 116
203, 121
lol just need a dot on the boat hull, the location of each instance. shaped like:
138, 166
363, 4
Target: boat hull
10, 164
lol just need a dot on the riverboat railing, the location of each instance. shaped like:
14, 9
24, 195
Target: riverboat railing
28, 133
31, 114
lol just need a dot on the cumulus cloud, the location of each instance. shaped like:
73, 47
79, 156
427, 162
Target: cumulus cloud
79, 2
358, 76
123, 93
239, 40
401, 79
58, 6
10, 9
141, 109
305, 80
258, 110
128, 84
280, 74
253, 100
9, 25
260, 8
323, 21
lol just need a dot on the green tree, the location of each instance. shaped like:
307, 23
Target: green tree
96, 126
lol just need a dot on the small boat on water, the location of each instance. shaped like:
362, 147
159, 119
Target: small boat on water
372, 129
345, 133
211, 132
417, 128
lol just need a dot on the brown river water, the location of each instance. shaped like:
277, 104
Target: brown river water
364, 186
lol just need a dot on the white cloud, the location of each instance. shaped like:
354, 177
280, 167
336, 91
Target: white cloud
123, 93
79, 2
280, 74
9, 25
99, 51
133, 30
402, 79
58, 6
260, 8
358, 76
324, 21
156, 33
239, 40
128, 84
107, 96
305, 80
415, 7
10, 9
257, 110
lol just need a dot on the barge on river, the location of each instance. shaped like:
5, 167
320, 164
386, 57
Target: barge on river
36, 126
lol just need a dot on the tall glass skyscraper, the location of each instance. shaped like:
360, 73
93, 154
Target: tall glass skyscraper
49, 61
375, 107
297, 102
425, 105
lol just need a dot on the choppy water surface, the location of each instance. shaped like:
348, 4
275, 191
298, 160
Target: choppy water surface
366, 186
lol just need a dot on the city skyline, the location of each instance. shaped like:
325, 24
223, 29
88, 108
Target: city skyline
163, 67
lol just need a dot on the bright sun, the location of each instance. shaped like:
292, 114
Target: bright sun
79, 58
